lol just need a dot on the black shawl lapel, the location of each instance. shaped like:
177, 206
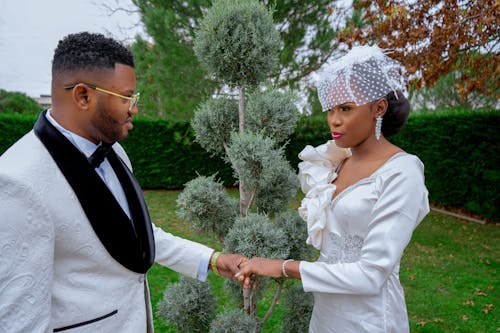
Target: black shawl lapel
112, 226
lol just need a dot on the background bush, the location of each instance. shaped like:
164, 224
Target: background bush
18, 102
189, 304
460, 150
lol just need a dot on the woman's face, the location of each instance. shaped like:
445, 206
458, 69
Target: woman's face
352, 125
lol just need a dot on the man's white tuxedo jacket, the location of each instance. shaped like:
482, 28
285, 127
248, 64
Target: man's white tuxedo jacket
55, 272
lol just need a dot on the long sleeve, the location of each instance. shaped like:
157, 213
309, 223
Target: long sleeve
181, 255
26, 256
401, 205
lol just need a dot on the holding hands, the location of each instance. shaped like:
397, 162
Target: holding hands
226, 264
274, 268
239, 267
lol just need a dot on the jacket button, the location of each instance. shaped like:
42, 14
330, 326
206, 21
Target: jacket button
141, 279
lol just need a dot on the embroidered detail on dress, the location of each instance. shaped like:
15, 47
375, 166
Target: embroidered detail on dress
342, 249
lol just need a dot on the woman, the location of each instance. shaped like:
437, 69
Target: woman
364, 197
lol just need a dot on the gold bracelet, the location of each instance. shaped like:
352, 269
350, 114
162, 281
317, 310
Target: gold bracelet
213, 262
283, 267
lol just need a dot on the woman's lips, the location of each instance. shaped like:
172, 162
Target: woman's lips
336, 135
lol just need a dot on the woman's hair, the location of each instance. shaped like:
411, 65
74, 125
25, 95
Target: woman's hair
89, 51
397, 113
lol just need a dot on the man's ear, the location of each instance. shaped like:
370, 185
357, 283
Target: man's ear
82, 96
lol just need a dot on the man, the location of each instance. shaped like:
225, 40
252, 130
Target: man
76, 240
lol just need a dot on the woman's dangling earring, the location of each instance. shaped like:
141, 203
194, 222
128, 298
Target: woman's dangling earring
378, 127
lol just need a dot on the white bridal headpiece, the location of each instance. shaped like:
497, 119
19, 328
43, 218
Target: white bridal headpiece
363, 75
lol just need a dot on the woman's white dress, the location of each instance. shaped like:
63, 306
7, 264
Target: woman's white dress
361, 235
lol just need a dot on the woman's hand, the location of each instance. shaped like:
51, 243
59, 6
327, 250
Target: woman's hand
259, 266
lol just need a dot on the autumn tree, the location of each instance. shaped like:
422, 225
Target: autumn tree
435, 38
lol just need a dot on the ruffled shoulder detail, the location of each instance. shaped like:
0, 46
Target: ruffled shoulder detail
313, 210
316, 173
318, 166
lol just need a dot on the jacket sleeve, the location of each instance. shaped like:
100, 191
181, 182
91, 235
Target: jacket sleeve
181, 255
402, 203
26, 259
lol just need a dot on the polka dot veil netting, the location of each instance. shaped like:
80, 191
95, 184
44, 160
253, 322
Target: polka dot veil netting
363, 75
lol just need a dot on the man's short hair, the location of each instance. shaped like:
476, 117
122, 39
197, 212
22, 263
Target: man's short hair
89, 51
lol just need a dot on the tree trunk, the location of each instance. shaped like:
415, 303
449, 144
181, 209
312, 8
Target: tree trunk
244, 196
248, 294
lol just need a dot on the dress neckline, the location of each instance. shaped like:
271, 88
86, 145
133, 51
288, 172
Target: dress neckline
362, 180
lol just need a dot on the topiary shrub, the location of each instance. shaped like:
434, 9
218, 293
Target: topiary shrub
235, 321
189, 304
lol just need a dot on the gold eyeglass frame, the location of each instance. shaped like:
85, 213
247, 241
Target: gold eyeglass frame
134, 99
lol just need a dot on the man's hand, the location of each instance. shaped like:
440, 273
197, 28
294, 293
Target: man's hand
227, 264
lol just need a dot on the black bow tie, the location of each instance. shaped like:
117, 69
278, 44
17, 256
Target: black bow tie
103, 150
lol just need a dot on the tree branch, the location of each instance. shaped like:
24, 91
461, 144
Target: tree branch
273, 304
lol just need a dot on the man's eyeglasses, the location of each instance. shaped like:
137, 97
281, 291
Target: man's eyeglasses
134, 99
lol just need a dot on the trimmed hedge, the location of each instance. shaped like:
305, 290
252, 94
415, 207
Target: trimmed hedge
460, 151
461, 154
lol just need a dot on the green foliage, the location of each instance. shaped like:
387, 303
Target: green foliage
206, 204
237, 42
256, 236
171, 81
235, 321
298, 308
295, 231
264, 170
213, 123
12, 127
272, 114
461, 155
189, 304
165, 155
17, 102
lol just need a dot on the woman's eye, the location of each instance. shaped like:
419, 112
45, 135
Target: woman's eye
345, 108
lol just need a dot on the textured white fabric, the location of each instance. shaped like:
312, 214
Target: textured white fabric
54, 271
316, 174
361, 235
363, 75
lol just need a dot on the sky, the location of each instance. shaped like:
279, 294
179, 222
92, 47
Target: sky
31, 29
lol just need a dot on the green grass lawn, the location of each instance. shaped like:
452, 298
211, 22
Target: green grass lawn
449, 271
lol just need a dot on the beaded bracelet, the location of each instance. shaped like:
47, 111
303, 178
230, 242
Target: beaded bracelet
283, 270
213, 262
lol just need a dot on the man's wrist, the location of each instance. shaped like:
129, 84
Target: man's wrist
213, 262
